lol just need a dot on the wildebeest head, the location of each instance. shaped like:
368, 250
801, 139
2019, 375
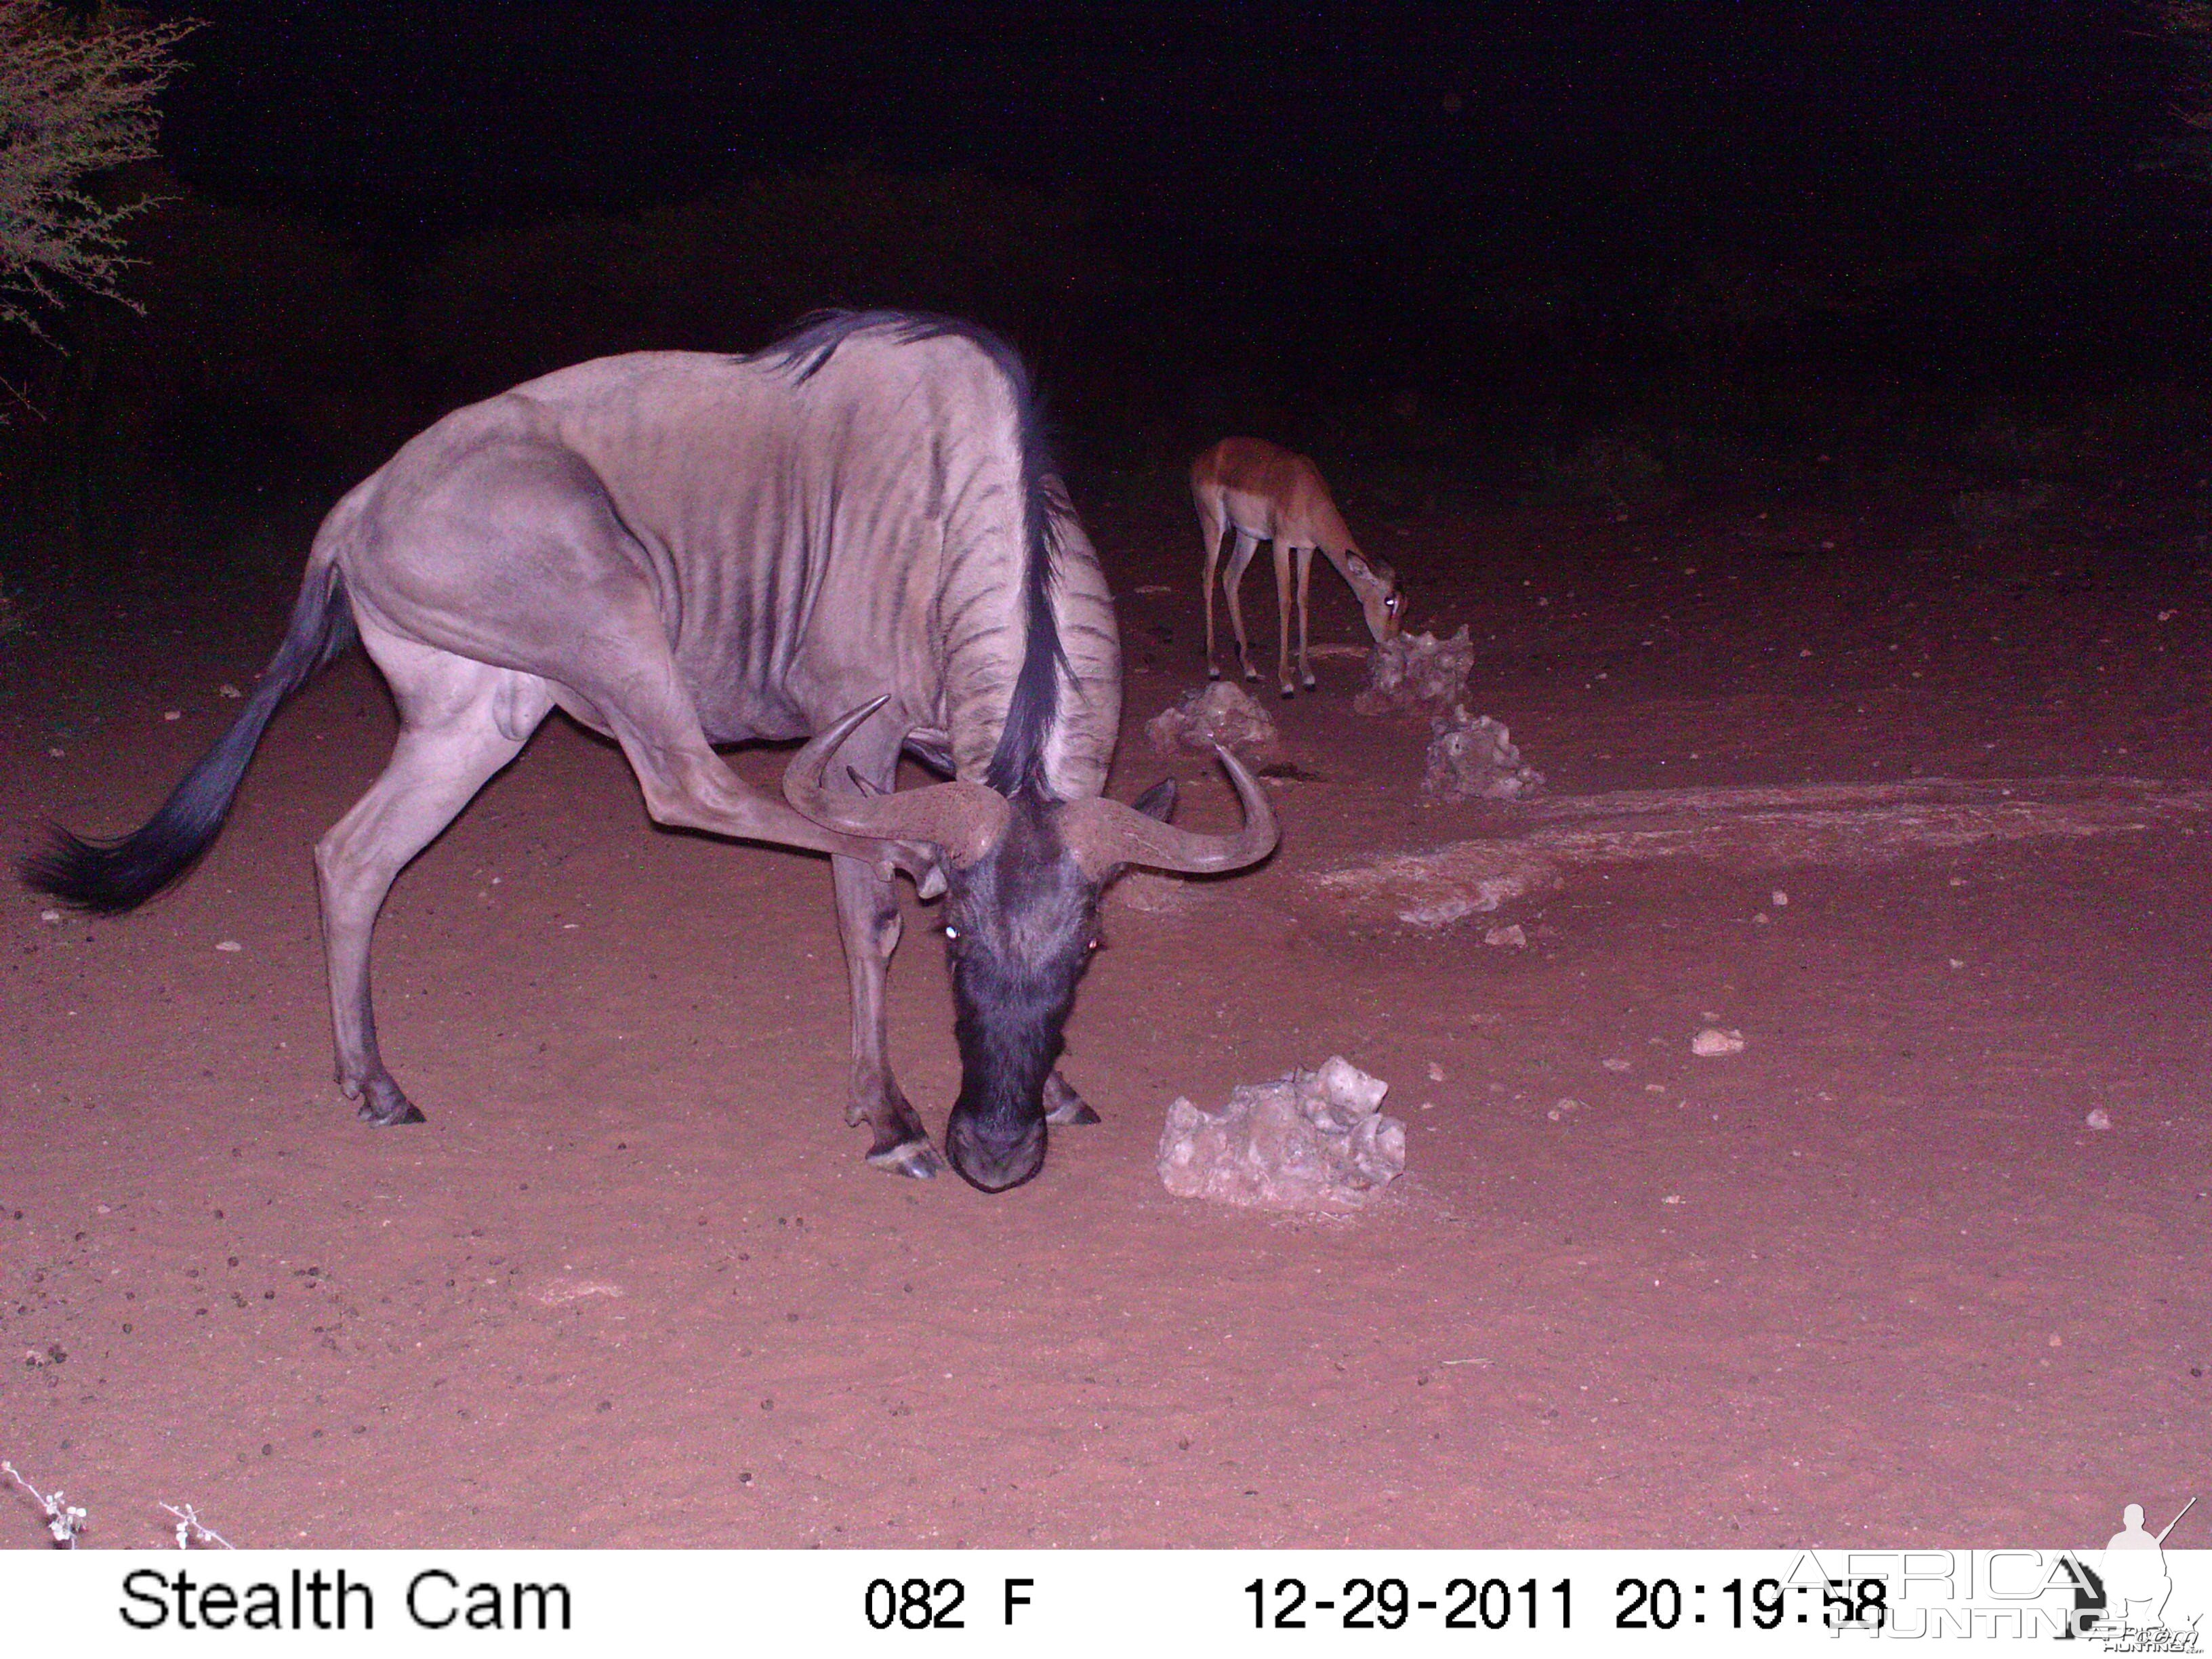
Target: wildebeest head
1021, 920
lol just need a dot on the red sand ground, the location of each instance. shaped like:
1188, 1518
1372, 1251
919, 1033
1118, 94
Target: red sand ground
1872, 1280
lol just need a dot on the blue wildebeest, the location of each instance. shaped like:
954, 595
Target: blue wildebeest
856, 534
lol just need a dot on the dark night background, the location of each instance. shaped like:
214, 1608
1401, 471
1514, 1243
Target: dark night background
1789, 418
1595, 247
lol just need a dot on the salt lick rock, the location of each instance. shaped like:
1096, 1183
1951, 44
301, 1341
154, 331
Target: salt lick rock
1416, 671
1312, 1141
1474, 758
1219, 713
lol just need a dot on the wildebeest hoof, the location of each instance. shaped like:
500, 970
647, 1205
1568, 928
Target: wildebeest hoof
1212, 673
1062, 1105
383, 1105
916, 1159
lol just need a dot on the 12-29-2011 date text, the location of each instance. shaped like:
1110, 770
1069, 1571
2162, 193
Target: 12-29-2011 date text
1391, 1604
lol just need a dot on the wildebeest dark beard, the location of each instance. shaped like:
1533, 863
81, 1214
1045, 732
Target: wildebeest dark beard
1021, 924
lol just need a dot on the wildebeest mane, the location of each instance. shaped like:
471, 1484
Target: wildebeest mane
1018, 761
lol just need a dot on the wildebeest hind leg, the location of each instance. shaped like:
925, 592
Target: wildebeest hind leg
868, 920
461, 722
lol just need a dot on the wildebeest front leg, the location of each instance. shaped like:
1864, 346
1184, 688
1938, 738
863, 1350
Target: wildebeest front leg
868, 920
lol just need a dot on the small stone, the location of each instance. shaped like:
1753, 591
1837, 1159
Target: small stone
172, 715
1563, 1108
1435, 1072
52, 918
227, 689
1712, 1042
1955, 961
1762, 919
230, 944
2099, 1119
1778, 899
1509, 934
57, 754
1614, 1064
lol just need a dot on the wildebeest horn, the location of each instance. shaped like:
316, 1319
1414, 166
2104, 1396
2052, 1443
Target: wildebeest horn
1104, 834
962, 820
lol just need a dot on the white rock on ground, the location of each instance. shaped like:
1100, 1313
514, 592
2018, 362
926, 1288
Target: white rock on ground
1416, 671
1219, 713
1315, 1141
1473, 757
1712, 1042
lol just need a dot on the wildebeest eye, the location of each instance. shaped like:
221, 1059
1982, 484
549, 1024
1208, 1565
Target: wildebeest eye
952, 933
1096, 943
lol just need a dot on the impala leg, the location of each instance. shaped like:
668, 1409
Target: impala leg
1282, 618
1305, 593
868, 920
1246, 545
462, 721
1211, 528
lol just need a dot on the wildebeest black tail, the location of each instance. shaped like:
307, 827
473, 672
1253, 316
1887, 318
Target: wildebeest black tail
112, 876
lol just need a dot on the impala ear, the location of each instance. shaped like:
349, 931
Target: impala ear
1159, 801
1357, 565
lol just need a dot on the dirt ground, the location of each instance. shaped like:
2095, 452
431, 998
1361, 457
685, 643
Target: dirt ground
1875, 1279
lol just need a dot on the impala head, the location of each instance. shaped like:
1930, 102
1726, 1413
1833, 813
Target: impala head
1380, 597
1021, 916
